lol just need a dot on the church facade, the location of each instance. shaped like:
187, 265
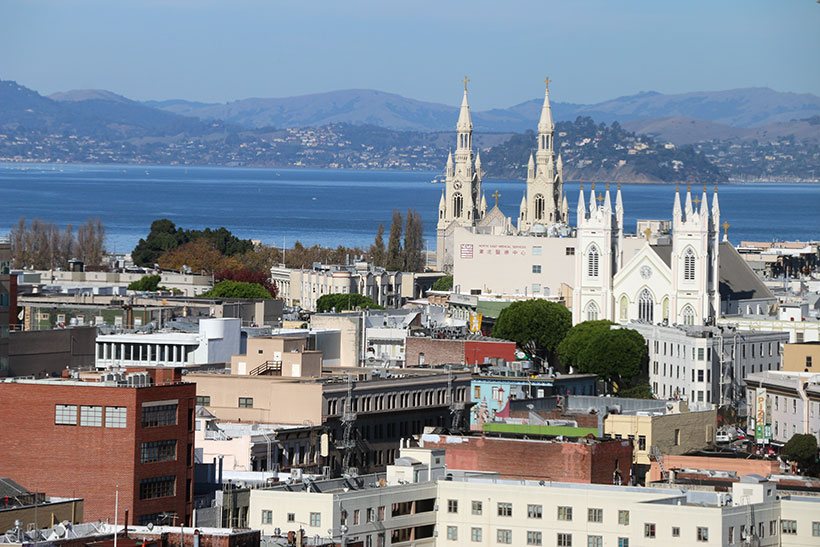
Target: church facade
663, 273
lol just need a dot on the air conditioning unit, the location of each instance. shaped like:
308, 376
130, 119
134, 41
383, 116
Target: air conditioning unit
296, 474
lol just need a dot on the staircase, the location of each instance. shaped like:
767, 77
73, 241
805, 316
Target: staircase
268, 368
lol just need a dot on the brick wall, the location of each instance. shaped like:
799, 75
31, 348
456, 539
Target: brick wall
538, 460
442, 351
476, 350
764, 468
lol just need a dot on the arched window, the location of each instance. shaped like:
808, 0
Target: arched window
688, 315
624, 309
458, 204
592, 261
665, 308
592, 311
689, 265
646, 305
539, 207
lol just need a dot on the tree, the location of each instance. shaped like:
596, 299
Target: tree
163, 237
801, 449
248, 276
394, 260
43, 245
238, 289
91, 242
536, 326
149, 283
377, 255
413, 242
617, 356
444, 283
347, 301
577, 339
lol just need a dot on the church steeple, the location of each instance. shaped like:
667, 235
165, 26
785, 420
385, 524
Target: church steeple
464, 127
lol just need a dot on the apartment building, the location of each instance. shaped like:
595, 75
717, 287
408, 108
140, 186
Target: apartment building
8, 302
129, 433
707, 364
785, 404
803, 357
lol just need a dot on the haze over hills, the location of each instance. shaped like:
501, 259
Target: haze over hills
738, 108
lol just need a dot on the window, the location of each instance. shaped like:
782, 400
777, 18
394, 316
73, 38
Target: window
537, 250
815, 529
624, 309
646, 306
503, 536
677, 437
641, 442
689, 316
623, 517
371, 515
569, 251
475, 534
675, 532
91, 416
380, 513
203, 400
452, 533
564, 540
157, 487
592, 262
534, 511
452, 506
292, 517
536, 268
115, 417
595, 515
592, 311
730, 537
315, 519
564, 513
539, 207
595, 541
504, 509
689, 265
649, 530
267, 516
533, 538
477, 507
808, 361
158, 451
65, 414
458, 204
703, 534
623, 542
788, 527
159, 415
246, 402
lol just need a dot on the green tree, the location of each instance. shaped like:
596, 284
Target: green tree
577, 339
394, 260
377, 255
347, 301
536, 326
616, 356
413, 242
238, 289
444, 283
803, 450
162, 237
145, 283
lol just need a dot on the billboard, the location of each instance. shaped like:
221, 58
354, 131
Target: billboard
762, 426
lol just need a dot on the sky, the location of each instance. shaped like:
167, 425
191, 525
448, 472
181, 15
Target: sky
592, 50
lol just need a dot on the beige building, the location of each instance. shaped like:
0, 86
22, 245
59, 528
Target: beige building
803, 357
350, 328
677, 431
284, 355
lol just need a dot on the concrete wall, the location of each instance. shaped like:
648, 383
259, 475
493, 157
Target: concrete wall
349, 326
798, 357
741, 466
46, 352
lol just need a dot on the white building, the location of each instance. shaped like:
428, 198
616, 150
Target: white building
215, 342
790, 404
707, 364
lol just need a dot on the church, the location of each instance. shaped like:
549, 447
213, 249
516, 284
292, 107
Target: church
666, 272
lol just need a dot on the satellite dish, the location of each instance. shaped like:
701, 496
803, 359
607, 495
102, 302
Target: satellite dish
150, 526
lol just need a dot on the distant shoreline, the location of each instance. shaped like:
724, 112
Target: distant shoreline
7, 163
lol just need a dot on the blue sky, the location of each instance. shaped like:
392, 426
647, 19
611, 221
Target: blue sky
593, 50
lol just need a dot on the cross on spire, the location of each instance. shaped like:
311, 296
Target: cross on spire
496, 195
466, 81
696, 200
547, 82
647, 232
726, 227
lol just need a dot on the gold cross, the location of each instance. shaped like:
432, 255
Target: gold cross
716, 188
688, 187
697, 201
647, 232
496, 195
600, 199
704, 187
547, 82
607, 187
726, 227
466, 81
593, 186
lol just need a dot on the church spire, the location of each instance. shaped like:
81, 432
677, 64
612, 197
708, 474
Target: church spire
676, 209
582, 208
478, 163
465, 121
545, 123
531, 168
688, 206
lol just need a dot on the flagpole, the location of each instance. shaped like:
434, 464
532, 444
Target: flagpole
116, 511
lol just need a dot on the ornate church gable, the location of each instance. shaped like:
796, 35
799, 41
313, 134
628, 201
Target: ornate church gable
642, 288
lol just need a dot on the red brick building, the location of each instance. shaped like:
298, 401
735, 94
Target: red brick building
434, 351
86, 439
587, 461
